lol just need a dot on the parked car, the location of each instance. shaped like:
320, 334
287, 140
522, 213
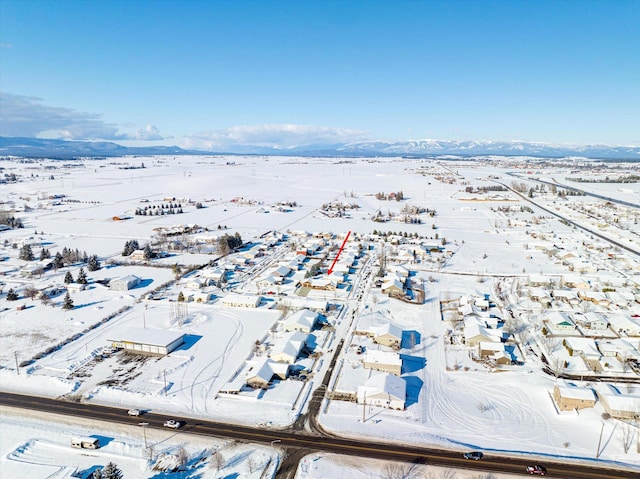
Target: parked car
134, 412
475, 455
173, 424
537, 470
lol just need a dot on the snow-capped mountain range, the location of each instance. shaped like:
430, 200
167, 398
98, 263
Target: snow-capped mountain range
39, 148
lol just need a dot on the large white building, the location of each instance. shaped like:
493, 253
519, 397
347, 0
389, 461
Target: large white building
148, 341
125, 283
241, 301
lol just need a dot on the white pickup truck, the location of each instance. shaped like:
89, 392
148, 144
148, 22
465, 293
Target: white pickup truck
172, 423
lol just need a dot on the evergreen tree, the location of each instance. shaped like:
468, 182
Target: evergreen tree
68, 278
11, 295
93, 264
58, 261
111, 471
148, 252
44, 254
26, 253
180, 297
68, 302
129, 247
82, 277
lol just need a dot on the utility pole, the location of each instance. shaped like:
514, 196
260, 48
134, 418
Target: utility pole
144, 432
600, 441
364, 408
164, 373
15, 354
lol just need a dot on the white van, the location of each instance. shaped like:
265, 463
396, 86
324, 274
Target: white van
85, 442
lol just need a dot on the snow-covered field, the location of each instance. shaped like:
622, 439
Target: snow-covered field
452, 401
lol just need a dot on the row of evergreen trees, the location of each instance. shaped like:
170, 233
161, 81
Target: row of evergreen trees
61, 259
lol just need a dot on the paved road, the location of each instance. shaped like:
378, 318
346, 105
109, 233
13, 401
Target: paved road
295, 441
571, 222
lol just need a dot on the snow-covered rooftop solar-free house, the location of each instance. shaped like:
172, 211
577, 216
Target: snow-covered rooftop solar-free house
124, 283
303, 321
383, 361
288, 347
569, 398
148, 341
383, 390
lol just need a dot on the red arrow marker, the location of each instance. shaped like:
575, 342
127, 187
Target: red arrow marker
339, 252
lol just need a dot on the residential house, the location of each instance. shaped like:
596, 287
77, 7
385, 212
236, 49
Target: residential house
288, 347
393, 287
570, 398
558, 322
618, 405
494, 351
383, 361
303, 321
624, 324
475, 333
388, 335
263, 371
383, 390
593, 320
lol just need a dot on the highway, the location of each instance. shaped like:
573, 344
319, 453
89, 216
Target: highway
296, 441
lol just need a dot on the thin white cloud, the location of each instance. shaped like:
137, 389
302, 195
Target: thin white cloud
28, 116
284, 137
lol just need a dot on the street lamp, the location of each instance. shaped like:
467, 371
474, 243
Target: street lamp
144, 432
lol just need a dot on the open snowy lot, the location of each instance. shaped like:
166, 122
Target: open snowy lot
487, 240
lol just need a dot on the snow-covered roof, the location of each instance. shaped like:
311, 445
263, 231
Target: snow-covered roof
385, 384
382, 357
304, 317
574, 392
154, 337
387, 329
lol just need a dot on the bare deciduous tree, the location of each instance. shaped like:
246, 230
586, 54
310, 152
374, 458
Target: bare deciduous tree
182, 456
252, 464
396, 470
30, 292
217, 461
628, 434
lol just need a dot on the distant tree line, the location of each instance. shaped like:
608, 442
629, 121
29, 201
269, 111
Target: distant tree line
160, 210
618, 179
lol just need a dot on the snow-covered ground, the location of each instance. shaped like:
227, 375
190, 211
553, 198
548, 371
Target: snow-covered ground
452, 400
38, 445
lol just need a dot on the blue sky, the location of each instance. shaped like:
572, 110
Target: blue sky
210, 73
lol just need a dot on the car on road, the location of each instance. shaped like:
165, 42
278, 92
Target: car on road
172, 423
475, 455
134, 412
537, 470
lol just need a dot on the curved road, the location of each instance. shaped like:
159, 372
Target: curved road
297, 441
